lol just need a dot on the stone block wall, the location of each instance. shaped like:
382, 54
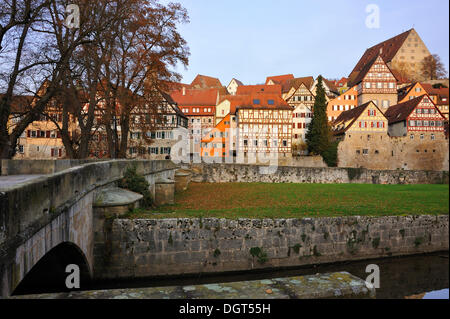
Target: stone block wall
146, 248
238, 173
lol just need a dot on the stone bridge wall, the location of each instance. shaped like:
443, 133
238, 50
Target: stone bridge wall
36, 167
232, 173
146, 248
37, 216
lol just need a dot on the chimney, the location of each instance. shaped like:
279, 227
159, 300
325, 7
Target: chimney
184, 90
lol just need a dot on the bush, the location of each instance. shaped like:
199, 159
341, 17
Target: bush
330, 155
138, 184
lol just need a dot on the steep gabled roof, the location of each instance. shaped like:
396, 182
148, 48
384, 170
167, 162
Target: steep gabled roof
362, 74
350, 117
278, 79
239, 83
401, 111
172, 103
204, 82
330, 85
286, 86
387, 49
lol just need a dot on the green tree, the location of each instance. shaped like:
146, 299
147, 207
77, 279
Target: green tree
318, 137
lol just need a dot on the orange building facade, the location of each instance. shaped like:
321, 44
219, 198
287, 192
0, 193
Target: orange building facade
344, 102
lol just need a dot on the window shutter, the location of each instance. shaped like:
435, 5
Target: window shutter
383, 124
58, 134
28, 133
52, 152
375, 113
47, 134
59, 152
359, 124
368, 112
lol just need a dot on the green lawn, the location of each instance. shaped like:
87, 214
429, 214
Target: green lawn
259, 200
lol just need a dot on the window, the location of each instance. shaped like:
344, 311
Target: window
385, 103
285, 143
270, 102
365, 152
256, 101
411, 136
433, 137
367, 85
422, 136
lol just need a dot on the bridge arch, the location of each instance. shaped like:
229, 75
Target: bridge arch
49, 273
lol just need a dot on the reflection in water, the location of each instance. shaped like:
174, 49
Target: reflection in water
400, 277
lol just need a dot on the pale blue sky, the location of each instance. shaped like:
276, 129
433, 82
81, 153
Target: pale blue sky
252, 39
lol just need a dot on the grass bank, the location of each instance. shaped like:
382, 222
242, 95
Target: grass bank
260, 200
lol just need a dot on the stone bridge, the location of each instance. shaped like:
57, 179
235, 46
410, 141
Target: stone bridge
48, 221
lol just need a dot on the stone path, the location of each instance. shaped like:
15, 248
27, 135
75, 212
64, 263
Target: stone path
331, 285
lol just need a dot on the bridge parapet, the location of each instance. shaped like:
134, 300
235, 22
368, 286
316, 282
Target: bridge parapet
29, 211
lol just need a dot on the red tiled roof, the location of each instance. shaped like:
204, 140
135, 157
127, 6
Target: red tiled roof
196, 97
263, 98
341, 82
351, 115
250, 89
203, 82
330, 85
278, 79
388, 48
308, 81
400, 112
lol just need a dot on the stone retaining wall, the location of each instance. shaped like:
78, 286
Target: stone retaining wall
237, 173
145, 248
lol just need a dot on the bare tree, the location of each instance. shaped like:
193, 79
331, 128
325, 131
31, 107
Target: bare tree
433, 68
139, 57
36, 48
80, 90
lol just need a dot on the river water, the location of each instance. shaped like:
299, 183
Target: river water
412, 277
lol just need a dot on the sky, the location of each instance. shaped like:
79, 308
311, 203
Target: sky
252, 39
